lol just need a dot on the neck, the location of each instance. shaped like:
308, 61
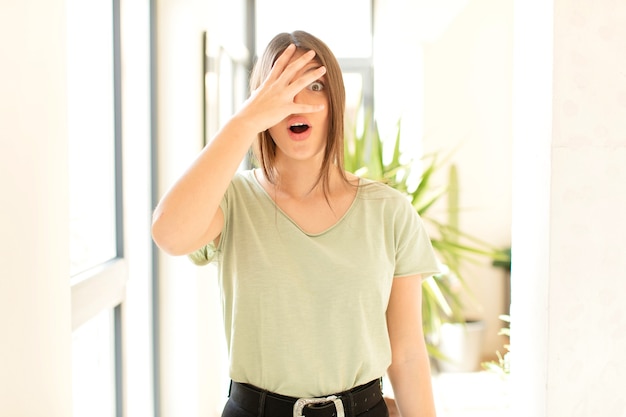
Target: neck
300, 180
299, 183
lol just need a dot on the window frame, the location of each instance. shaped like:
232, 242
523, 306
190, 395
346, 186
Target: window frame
104, 286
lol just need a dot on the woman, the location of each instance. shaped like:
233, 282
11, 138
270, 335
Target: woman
320, 271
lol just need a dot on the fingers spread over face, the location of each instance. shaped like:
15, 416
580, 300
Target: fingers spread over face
282, 62
307, 108
295, 65
308, 77
275, 98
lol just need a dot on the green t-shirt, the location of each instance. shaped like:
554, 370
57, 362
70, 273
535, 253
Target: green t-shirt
304, 314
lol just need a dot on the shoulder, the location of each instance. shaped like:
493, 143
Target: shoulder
243, 182
244, 177
389, 202
375, 189
241, 190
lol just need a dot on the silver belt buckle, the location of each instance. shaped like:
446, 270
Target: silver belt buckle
298, 407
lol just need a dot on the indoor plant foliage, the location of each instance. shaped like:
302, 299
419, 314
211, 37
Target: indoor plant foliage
502, 365
365, 156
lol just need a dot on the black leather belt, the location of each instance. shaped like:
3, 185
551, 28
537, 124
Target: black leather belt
261, 402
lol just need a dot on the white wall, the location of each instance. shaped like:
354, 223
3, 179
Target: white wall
532, 172
568, 320
179, 77
35, 360
191, 340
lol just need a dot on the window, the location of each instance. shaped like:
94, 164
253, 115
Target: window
91, 134
98, 272
93, 367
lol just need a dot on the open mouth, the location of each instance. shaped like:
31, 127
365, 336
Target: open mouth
299, 127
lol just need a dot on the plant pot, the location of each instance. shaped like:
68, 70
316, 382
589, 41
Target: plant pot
461, 344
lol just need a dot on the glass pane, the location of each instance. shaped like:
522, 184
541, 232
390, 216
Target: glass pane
93, 367
355, 113
353, 82
91, 133
326, 19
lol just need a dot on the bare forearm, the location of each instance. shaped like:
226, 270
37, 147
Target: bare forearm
184, 215
409, 372
187, 216
412, 387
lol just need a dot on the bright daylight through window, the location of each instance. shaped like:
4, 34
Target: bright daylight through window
91, 134
93, 225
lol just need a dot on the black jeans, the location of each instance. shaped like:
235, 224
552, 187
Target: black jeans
232, 409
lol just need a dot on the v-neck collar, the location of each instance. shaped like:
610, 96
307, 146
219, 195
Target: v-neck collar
251, 176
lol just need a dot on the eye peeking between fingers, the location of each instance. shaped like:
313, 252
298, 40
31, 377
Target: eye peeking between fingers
316, 86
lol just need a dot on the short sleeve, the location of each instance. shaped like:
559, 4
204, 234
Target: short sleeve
414, 251
204, 255
207, 253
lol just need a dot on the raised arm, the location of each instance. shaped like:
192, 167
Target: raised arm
188, 216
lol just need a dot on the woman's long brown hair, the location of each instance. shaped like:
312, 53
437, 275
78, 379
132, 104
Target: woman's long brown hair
265, 148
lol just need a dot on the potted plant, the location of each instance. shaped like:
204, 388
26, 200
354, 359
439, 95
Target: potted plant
502, 365
364, 156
